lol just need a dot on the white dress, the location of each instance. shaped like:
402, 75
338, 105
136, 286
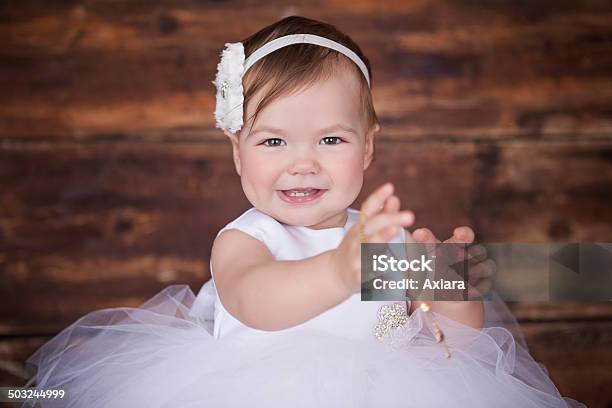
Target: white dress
179, 350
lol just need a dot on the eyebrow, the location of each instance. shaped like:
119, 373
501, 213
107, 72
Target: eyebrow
280, 132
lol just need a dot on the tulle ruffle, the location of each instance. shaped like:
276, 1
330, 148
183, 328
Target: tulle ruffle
162, 354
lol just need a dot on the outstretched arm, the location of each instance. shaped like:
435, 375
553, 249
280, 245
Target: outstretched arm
267, 294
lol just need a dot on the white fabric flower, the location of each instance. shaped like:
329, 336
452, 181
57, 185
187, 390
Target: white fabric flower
230, 96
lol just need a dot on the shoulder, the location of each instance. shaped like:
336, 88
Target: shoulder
256, 224
244, 235
233, 242
233, 252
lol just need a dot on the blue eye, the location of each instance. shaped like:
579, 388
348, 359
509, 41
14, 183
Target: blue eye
274, 142
331, 140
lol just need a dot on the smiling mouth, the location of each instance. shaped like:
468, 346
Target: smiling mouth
300, 195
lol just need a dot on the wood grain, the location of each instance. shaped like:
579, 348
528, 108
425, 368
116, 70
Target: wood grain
441, 69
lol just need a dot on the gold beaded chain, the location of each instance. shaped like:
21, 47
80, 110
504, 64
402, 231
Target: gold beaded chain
437, 330
438, 333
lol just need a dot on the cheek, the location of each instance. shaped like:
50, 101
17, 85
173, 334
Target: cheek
348, 170
258, 170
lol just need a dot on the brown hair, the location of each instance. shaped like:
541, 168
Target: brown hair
291, 68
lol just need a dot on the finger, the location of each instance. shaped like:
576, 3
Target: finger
482, 289
392, 205
474, 254
386, 234
375, 201
425, 236
384, 220
485, 269
461, 235
477, 253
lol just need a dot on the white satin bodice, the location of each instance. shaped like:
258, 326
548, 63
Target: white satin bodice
351, 318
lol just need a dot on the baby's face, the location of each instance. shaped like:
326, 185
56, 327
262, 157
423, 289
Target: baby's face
304, 160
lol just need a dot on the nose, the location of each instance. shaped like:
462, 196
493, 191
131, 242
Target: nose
304, 166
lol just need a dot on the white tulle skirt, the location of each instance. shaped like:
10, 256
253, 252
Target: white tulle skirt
164, 355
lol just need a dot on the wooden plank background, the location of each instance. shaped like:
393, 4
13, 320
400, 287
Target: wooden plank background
114, 180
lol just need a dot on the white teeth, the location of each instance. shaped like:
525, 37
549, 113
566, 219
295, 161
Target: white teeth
295, 193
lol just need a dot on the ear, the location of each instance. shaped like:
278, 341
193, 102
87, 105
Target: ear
233, 137
369, 146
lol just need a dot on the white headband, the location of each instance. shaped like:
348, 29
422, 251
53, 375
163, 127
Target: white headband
232, 67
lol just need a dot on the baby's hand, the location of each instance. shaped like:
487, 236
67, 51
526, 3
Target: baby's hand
481, 268
382, 221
